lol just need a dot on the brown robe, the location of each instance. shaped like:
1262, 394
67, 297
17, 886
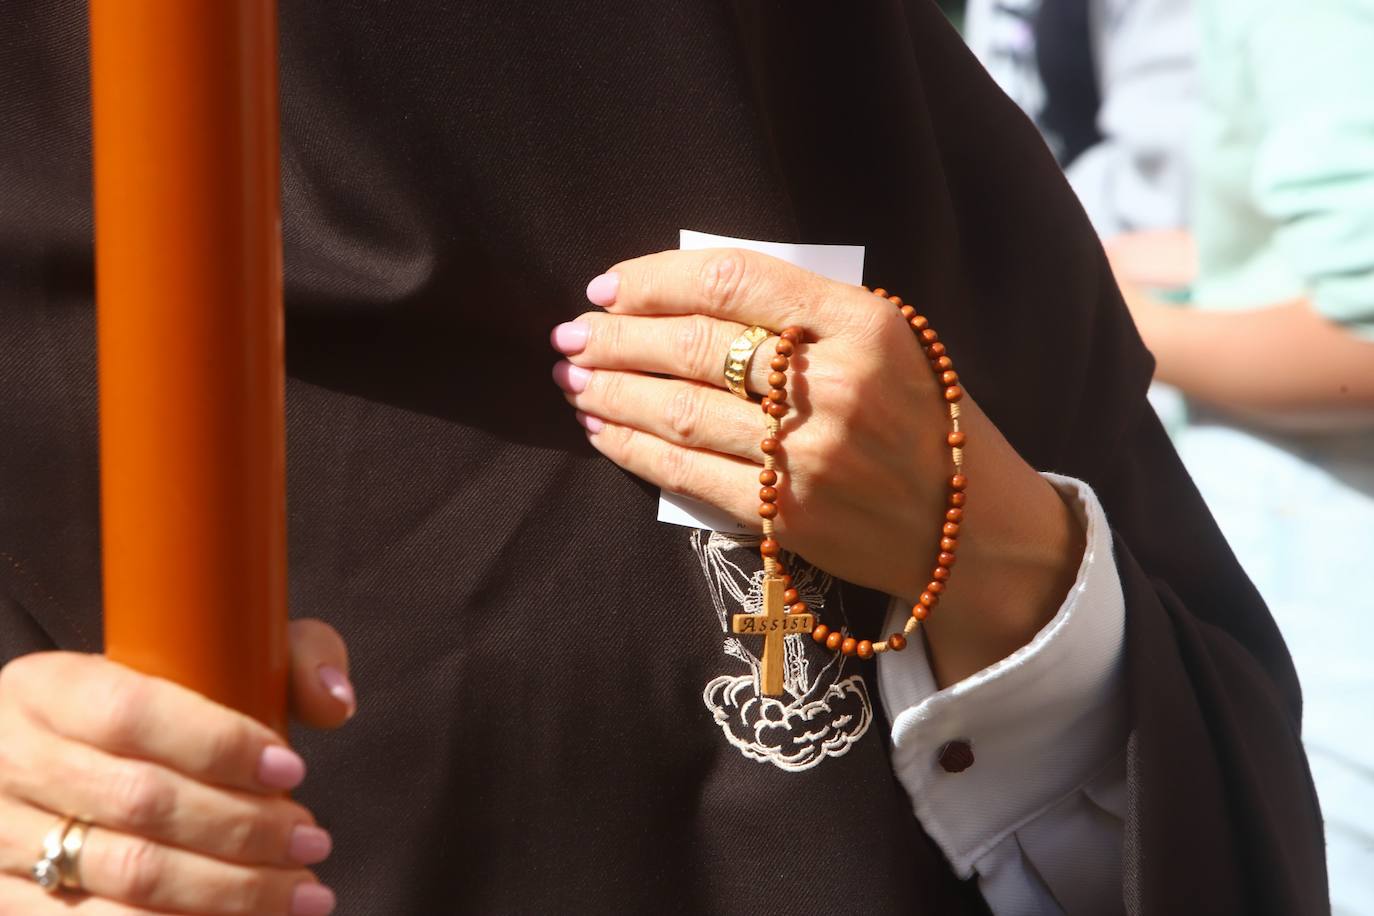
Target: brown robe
453, 173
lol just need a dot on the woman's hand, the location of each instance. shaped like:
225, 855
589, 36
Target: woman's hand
186, 796
866, 468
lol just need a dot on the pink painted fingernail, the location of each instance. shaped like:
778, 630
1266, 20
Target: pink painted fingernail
602, 290
590, 423
570, 337
571, 378
280, 768
310, 845
312, 900
336, 682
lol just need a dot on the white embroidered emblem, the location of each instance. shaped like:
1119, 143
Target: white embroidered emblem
821, 714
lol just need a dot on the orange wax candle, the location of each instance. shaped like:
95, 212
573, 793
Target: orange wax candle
188, 292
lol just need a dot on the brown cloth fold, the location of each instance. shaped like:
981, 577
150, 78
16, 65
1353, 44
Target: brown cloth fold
453, 174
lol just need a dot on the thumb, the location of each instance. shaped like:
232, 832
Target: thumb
321, 693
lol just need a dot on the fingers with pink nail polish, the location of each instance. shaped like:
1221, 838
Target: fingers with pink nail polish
591, 424
572, 379
570, 337
280, 768
603, 289
309, 845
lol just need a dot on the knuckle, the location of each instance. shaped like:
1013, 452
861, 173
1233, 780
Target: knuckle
721, 279
140, 799
137, 870
685, 413
607, 387
696, 348
262, 834
120, 712
223, 748
677, 467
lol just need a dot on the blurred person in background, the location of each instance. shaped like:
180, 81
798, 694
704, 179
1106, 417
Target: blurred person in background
1275, 359
1112, 86
1269, 377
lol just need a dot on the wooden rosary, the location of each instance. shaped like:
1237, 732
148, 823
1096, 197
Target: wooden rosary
784, 612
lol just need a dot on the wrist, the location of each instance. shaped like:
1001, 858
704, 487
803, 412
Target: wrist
1021, 546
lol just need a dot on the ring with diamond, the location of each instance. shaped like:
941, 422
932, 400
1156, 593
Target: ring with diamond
59, 867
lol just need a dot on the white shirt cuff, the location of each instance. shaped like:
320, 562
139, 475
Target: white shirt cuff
1041, 722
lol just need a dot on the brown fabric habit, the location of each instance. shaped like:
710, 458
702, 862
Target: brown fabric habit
453, 175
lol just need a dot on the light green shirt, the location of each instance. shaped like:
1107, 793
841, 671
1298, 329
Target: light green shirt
1286, 161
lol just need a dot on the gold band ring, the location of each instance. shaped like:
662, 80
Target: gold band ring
73, 842
737, 359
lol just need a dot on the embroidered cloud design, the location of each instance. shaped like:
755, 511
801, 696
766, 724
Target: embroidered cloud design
791, 737
822, 712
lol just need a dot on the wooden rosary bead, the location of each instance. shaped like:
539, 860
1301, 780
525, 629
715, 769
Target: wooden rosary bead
949, 377
945, 558
940, 574
768, 494
957, 500
769, 547
777, 395
920, 612
928, 600
896, 642
943, 363
769, 446
864, 649
919, 323
790, 596
949, 530
950, 544
907, 312
849, 645
955, 440
935, 350
778, 363
784, 348
880, 293
768, 510
832, 642
768, 477
928, 336
954, 393
895, 300
776, 410
777, 379
954, 515
799, 607
958, 482
820, 633
934, 587
793, 335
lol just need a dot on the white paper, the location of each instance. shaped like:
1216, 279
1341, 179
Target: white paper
844, 263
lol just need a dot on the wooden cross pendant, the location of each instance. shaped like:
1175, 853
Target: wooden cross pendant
772, 625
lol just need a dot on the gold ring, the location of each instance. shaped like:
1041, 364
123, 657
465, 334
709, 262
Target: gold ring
59, 866
73, 842
739, 356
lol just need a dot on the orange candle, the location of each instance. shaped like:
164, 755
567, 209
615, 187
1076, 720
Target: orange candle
188, 292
